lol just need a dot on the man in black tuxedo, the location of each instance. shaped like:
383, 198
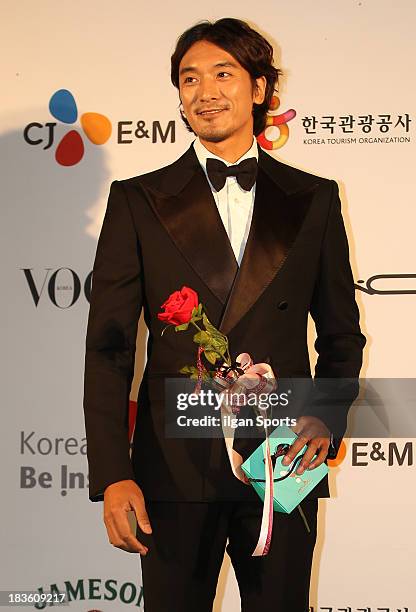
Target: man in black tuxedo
263, 244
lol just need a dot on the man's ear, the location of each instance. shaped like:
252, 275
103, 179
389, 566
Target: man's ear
182, 112
259, 90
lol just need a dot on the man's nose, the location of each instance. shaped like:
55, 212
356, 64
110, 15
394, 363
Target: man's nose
208, 89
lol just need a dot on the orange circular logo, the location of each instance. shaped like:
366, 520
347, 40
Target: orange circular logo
342, 451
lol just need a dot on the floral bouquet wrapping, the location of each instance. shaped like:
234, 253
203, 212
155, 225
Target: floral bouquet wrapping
182, 310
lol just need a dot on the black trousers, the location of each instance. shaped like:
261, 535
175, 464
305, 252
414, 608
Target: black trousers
186, 550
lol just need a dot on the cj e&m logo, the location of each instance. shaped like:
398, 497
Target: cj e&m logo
390, 453
362, 454
96, 127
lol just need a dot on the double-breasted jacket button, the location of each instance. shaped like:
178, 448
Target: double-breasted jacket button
282, 305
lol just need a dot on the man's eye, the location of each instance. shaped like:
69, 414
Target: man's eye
220, 74
188, 79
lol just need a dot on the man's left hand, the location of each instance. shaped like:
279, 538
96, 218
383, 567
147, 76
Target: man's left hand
314, 433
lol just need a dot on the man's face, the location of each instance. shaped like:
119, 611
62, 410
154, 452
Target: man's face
217, 93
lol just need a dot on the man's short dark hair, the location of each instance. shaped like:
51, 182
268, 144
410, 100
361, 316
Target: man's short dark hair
246, 45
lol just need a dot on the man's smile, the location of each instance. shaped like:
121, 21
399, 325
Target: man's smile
209, 112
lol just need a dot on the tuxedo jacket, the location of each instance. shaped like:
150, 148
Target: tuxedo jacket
162, 230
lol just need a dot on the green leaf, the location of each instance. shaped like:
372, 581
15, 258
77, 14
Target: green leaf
196, 313
212, 356
202, 338
204, 375
192, 371
185, 370
209, 326
219, 345
182, 326
219, 342
188, 370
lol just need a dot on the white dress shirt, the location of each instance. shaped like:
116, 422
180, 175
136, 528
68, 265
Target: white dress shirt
235, 205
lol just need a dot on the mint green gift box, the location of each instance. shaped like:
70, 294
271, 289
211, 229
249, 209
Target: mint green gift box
290, 491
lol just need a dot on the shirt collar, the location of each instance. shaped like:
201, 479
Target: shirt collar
203, 153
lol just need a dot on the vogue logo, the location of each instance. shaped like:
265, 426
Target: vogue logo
63, 287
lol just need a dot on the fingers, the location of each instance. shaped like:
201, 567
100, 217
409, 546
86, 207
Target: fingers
313, 433
315, 445
119, 499
120, 534
142, 517
296, 447
323, 452
308, 456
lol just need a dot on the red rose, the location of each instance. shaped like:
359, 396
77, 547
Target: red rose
178, 307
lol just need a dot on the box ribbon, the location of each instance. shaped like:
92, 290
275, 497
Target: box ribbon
236, 380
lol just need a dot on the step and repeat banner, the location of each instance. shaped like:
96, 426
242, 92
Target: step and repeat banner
86, 99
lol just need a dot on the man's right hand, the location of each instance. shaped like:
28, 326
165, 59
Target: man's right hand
119, 498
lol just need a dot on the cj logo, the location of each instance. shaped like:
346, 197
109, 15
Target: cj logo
95, 126
70, 150
276, 121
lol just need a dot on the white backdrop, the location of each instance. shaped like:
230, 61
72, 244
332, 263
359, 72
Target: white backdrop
352, 59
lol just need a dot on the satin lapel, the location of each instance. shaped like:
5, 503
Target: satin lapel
276, 221
182, 199
194, 224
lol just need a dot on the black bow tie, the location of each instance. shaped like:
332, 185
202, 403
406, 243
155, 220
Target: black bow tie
245, 172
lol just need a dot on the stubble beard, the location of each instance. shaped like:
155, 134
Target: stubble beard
211, 134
